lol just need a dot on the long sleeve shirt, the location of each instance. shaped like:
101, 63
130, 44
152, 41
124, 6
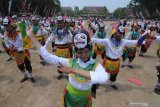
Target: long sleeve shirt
98, 76
95, 27
66, 39
158, 39
113, 51
1, 36
17, 43
42, 32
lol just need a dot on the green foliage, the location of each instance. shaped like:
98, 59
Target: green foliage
104, 11
40, 7
119, 13
76, 10
150, 5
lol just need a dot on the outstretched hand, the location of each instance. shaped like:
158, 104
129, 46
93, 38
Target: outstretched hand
63, 69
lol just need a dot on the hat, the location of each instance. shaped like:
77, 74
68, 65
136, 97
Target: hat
24, 15
68, 19
14, 16
40, 23
33, 18
6, 21
101, 25
81, 39
59, 18
73, 20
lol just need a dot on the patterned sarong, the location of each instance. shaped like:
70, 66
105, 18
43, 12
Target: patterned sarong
111, 66
131, 51
71, 100
20, 56
99, 49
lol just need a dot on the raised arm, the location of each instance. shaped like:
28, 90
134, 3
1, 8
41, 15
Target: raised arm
70, 36
6, 42
49, 39
1, 36
130, 42
52, 59
95, 27
100, 41
137, 42
107, 27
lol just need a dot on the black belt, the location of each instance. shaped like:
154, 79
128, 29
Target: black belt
111, 59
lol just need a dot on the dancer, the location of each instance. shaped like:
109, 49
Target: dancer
62, 39
130, 51
83, 71
13, 41
114, 48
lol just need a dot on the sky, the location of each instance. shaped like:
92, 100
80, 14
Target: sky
110, 4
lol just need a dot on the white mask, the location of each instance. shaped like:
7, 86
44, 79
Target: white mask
80, 40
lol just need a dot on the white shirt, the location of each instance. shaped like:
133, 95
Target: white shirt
98, 76
42, 32
17, 43
1, 36
67, 38
158, 39
95, 27
111, 50
154, 33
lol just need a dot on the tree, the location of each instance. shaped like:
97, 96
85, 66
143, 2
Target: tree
142, 5
76, 10
41, 7
119, 13
4, 7
104, 10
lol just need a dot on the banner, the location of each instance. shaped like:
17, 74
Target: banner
147, 13
9, 6
137, 15
27, 43
141, 14
29, 5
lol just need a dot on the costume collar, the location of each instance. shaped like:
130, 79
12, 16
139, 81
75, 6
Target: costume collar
85, 64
